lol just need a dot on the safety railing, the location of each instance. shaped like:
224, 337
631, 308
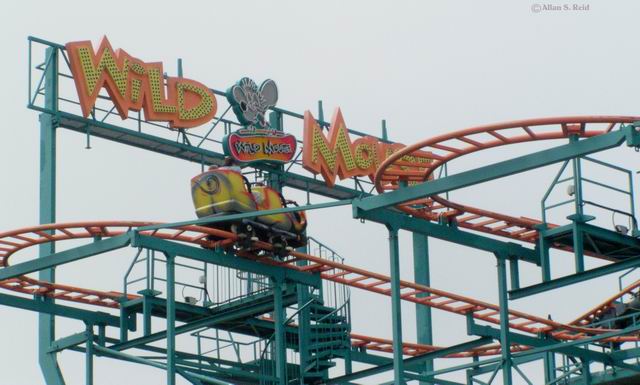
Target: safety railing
200, 284
151, 275
574, 183
333, 294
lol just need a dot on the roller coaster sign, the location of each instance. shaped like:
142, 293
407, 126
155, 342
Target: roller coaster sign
335, 155
260, 145
134, 85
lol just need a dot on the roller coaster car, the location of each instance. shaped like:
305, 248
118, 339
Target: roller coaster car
224, 191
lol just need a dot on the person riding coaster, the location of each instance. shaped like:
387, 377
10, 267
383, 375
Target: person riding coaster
224, 190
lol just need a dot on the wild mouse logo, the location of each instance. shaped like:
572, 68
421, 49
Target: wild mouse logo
257, 141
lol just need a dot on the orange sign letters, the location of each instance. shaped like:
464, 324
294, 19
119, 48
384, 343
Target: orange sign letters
336, 155
135, 85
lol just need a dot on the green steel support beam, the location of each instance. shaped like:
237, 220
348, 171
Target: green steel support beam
127, 357
204, 322
574, 278
62, 257
543, 249
421, 266
489, 366
514, 273
248, 215
210, 361
447, 233
578, 237
147, 308
633, 135
505, 340
549, 362
171, 318
396, 307
124, 317
89, 357
222, 258
586, 373
46, 322
413, 361
621, 355
47, 307
494, 171
567, 348
139, 360
609, 235
280, 342
68, 342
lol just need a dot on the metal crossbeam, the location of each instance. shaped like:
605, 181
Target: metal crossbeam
38, 305
573, 278
411, 361
568, 348
448, 233
224, 316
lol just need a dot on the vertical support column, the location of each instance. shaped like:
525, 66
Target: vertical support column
578, 238
124, 321
281, 348
171, 319
396, 311
543, 250
471, 372
89, 356
578, 247
586, 373
549, 367
46, 323
422, 276
514, 271
147, 308
504, 320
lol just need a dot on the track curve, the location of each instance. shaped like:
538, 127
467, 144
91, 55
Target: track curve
444, 148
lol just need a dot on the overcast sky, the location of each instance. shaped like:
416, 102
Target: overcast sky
426, 67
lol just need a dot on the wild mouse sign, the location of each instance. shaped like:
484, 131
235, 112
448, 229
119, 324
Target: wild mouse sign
256, 142
247, 146
135, 85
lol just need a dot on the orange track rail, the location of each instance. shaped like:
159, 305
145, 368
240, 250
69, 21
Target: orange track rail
445, 148
14, 241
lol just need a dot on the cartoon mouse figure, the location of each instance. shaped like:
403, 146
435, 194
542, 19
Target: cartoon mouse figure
250, 103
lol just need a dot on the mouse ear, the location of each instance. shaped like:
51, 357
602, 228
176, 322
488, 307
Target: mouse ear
269, 92
238, 94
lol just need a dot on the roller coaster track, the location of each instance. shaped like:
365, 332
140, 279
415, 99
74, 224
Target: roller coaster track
16, 240
447, 147
592, 315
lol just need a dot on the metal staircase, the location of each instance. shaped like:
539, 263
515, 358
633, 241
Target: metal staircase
330, 335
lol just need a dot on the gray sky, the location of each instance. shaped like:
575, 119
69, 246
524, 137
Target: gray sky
426, 67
